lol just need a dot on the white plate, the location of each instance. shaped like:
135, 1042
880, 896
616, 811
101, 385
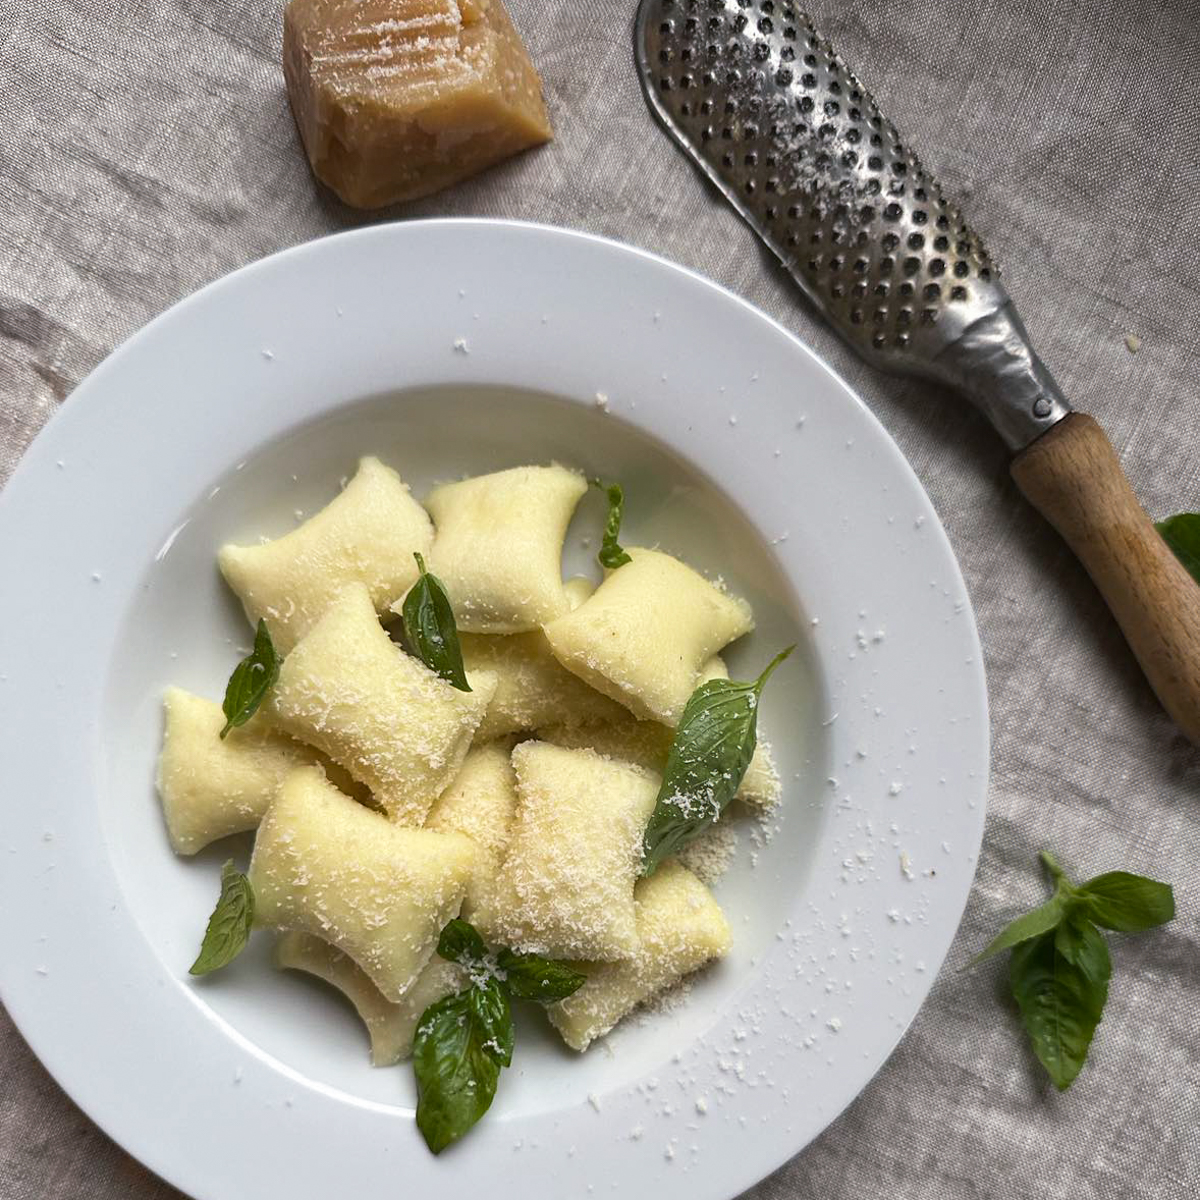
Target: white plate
450, 347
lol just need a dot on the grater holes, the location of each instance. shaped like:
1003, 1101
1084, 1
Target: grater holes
932, 291
808, 80
875, 162
902, 340
873, 187
915, 241
941, 242
859, 290
912, 264
761, 52
853, 136
892, 211
856, 316
879, 340
787, 55
937, 266
882, 288
907, 287
890, 242
806, 104
904, 316
961, 269
929, 316
958, 293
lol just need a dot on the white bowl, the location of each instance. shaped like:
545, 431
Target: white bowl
449, 347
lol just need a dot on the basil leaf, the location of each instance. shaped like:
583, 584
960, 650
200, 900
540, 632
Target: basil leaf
1059, 980
1182, 534
229, 926
430, 629
708, 757
460, 942
456, 1073
532, 977
1126, 902
491, 1011
1040, 920
252, 678
611, 555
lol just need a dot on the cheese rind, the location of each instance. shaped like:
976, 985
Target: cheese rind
565, 887
392, 723
367, 534
395, 99
390, 1026
498, 546
379, 892
212, 787
480, 804
647, 632
680, 928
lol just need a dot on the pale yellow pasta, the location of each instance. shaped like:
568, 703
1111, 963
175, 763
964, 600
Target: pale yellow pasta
481, 803
379, 892
566, 885
365, 535
211, 787
498, 547
390, 1026
349, 690
645, 634
680, 927
532, 687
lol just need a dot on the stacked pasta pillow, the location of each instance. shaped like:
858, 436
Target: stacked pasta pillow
387, 801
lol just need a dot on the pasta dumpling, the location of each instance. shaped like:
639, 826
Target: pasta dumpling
379, 892
647, 743
532, 687
390, 1026
389, 720
565, 888
498, 547
645, 634
366, 535
209, 787
680, 927
480, 803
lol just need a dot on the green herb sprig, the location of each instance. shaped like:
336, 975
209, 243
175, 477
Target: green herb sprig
430, 628
463, 1040
1060, 965
1182, 533
229, 926
251, 680
611, 554
708, 758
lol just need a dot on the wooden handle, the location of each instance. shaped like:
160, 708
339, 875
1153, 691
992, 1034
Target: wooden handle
1071, 474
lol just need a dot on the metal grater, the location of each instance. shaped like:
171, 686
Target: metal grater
773, 116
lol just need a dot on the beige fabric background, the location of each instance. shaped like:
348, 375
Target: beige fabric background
146, 148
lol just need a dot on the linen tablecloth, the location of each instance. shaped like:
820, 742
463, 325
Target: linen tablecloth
147, 148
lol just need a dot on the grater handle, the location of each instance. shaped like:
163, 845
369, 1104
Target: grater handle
1071, 474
